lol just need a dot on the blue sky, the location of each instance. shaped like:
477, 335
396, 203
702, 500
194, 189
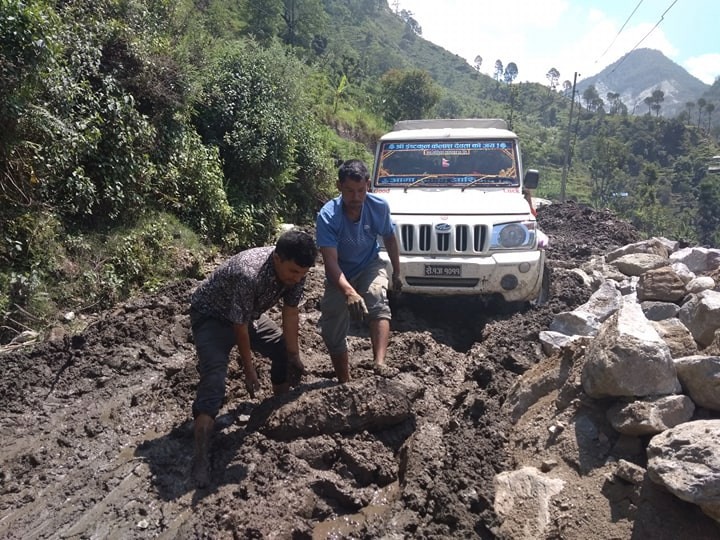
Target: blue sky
582, 36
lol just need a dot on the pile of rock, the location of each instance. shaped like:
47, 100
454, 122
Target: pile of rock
649, 337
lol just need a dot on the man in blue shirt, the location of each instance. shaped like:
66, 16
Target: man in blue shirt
356, 280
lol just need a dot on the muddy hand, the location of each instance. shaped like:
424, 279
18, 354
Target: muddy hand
396, 284
356, 306
294, 359
252, 384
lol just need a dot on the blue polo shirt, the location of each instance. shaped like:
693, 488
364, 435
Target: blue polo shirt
356, 242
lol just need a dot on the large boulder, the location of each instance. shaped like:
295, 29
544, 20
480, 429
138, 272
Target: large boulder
628, 358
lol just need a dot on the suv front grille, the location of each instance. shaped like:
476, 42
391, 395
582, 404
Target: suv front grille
426, 238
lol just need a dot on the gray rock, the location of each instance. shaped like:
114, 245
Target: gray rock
700, 377
657, 311
637, 264
522, 501
686, 461
651, 415
701, 314
628, 358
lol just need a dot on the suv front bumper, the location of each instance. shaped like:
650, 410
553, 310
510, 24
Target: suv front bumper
517, 276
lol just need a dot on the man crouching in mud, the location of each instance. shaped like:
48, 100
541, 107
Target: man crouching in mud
228, 309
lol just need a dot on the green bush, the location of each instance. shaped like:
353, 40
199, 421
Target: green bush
191, 185
255, 111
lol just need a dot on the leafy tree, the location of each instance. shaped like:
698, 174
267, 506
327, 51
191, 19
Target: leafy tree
590, 95
95, 164
410, 22
553, 76
650, 210
616, 105
499, 69
567, 88
28, 47
409, 94
256, 114
450, 107
658, 96
478, 63
511, 73
649, 102
606, 169
700, 106
304, 20
708, 224
709, 109
264, 19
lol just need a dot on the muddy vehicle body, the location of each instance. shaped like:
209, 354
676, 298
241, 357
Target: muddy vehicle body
463, 224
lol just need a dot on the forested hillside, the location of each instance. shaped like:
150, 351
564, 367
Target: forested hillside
141, 136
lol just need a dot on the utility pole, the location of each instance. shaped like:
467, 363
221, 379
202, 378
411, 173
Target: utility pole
566, 163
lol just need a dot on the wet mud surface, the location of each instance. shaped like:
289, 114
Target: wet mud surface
96, 427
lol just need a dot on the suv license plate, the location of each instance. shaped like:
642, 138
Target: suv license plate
442, 270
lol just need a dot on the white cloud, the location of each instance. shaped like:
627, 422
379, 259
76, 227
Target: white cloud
705, 67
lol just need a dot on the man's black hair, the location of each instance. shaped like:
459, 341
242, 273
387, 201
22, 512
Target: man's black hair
297, 246
354, 169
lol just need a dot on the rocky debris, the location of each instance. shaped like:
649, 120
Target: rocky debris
631, 342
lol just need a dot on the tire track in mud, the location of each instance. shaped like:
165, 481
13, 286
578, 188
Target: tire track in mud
70, 468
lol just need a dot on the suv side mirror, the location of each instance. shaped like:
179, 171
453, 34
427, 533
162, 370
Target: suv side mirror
532, 177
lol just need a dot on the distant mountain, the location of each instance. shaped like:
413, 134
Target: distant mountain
638, 73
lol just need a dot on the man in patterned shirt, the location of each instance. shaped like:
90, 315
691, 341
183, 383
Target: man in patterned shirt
356, 280
227, 309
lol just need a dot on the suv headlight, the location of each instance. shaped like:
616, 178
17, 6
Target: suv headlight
519, 235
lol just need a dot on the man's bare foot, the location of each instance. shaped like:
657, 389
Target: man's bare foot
200, 471
297, 364
385, 371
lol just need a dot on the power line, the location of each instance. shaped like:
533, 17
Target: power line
620, 31
662, 17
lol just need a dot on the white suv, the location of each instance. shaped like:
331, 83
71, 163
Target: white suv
463, 225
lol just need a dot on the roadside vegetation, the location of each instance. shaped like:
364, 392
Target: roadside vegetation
141, 137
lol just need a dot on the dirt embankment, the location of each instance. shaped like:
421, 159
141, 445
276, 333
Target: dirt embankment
96, 432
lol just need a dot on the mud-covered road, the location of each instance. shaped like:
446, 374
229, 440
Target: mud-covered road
96, 431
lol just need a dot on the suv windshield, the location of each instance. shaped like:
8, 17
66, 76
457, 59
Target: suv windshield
486, 163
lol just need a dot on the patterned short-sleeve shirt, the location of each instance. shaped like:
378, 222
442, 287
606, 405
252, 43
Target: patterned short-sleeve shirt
244, 287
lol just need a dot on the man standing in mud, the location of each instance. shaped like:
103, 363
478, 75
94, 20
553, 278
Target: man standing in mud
227, 309
356, 280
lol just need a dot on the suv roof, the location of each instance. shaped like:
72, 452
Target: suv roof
456, 128
451, 123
